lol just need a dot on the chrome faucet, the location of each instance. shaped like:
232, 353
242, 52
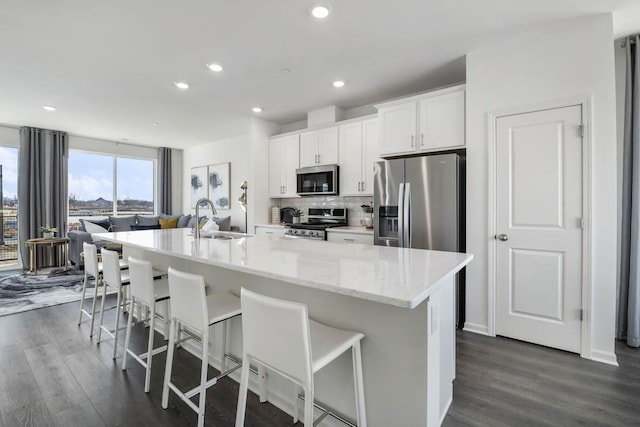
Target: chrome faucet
196, 232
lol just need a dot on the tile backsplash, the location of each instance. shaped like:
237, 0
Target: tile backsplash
353, 204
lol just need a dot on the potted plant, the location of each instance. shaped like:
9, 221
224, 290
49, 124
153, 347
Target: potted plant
48, 232
295, 215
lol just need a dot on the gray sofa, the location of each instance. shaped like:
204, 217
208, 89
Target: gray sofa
127, 223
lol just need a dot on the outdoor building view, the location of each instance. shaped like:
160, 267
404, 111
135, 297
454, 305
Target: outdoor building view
9, 208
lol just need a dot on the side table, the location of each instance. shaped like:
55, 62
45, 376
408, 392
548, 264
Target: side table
60, 244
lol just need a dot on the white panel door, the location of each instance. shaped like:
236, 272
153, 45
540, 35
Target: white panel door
398, 128
308, 148
441, 122
275, 168
539, 231
350, 159
328, 146
371, 150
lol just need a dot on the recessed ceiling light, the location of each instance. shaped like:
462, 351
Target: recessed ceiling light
181, 85
215, 67
338, 83
49, 107
156, 123
285, 71
320, 11
256, 110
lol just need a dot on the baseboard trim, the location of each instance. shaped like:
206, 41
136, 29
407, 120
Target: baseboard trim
604, 357
476, 328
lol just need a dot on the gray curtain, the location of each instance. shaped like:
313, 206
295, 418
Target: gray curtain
628, 326
42, 184
164, 175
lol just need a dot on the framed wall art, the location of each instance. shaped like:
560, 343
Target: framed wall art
218, 183
198, 184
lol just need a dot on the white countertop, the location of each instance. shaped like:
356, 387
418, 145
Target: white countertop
396, 276
357, 229
269, 225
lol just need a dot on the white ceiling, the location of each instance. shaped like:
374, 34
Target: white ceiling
109, 66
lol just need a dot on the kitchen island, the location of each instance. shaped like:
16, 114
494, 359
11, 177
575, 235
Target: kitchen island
401, 299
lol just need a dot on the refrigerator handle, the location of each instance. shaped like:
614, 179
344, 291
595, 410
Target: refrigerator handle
408, 217
401, 215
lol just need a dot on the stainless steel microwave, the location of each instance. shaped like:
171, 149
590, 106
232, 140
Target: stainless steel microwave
317, 180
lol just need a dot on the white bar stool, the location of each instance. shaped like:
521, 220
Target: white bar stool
92, 270
278, 334
191, 307
147, 291
113, 277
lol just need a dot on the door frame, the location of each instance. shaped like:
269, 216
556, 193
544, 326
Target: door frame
585, 102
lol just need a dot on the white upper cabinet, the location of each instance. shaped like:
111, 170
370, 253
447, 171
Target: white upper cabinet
427, 122
319, 147
358, 150
283, 162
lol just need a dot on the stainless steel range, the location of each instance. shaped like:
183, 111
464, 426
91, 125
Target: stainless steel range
318, 220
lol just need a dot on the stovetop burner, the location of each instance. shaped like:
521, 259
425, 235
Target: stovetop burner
319, 220
307, 226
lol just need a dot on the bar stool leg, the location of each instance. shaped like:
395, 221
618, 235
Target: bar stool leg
308, 406
84, 292
118, 311
152, 325
127, 337
223, 346
97, 282
296, 402
242, 393
358, 384
203, 378
167, 372
104, 297
262, 383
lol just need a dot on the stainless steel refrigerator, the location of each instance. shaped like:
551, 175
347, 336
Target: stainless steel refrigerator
419, 203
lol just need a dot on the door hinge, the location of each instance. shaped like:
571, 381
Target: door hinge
581, 130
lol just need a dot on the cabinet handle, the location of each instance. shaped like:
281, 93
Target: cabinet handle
268, 232
422, 140
412, 141
358, 185
318, 158
362, 188
349, 240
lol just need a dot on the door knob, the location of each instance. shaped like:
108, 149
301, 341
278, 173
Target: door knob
503, 237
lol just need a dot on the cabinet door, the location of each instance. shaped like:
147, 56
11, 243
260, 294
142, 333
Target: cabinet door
275, 167
308, 149
398, 128
291, 153
350, 159
328, 146
442, 121
370, 149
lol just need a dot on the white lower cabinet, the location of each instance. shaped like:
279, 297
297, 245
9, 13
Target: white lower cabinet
269, 231
336, 236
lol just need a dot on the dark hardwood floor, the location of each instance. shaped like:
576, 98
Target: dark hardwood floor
51, 373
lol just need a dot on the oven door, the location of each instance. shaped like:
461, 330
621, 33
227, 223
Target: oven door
317, 180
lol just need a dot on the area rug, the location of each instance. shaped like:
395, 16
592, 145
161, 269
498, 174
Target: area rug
22, 292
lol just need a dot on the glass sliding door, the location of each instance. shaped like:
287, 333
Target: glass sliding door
134, 184
9, 209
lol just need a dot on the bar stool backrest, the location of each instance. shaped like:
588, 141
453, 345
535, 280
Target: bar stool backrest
111, 268
90, 259
141, 280
188, 299
276, 333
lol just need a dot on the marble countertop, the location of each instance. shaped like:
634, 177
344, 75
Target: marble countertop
396, 276
358, 229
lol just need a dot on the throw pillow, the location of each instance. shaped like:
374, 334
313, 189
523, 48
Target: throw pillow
166, 216
223, 223
210, 226
183, 221
104, 223
192, 221
122, 223
137, 227
168, 223
147, 220
91, 227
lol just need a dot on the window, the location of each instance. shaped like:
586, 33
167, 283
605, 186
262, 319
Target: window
97, 180
8, 207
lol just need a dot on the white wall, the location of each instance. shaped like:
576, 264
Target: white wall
555, 61
621, 76
248, 156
